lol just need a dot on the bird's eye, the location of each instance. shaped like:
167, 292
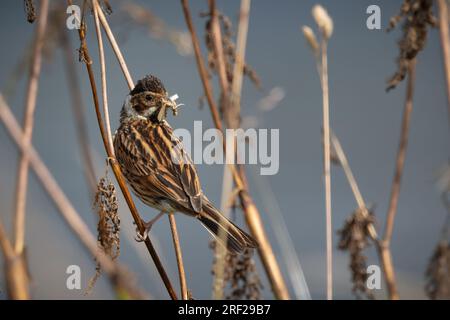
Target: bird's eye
148, 97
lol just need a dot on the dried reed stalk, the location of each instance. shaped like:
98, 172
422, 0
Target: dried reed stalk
30, 106
445, 43
60, 200
15, 269
238, 72
5, 245
101, 55
179, 256
325, 25
343, 162
384, 244
218, 48
112, 161
327, 167
252, 215
116, 49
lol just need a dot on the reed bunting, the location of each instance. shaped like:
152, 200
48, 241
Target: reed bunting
159, 170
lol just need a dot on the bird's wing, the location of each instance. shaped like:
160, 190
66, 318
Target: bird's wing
156, 157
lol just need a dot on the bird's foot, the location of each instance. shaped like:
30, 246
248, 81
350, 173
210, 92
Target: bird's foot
140, 237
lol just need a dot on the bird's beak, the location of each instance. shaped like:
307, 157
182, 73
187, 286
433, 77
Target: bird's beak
170, 103
166, 103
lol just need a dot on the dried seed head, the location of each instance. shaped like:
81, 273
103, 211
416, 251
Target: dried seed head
240, 278
245, 282
355, 238
106, 205
438, 272
109, 221
311, 39
323, 20
418, 17
30, 10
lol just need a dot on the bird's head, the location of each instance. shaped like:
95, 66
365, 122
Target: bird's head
147, 101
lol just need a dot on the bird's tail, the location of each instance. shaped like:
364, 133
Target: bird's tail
230, 235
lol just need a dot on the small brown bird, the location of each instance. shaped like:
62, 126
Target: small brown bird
159, 170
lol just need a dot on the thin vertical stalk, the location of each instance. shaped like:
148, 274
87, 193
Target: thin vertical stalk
101, 54
30, 106
445, 43
218, 48
5, 245
401, 154
238, 72
384, 245
15, 269
179, 256
116, 49
326, 166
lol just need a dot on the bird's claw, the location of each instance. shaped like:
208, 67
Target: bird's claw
141, 237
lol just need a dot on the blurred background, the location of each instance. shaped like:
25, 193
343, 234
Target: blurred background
364, 117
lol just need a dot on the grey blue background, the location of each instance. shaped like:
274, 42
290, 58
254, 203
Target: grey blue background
363, 115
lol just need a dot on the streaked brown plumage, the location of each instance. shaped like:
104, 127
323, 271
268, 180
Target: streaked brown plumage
157, 167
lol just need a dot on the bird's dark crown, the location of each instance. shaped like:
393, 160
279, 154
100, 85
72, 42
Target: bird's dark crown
149, 83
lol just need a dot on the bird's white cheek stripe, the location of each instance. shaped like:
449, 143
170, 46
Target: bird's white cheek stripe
128, 103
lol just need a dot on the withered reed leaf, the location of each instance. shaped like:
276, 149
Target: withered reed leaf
438, 272
355, 238
417, 17
108, 228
